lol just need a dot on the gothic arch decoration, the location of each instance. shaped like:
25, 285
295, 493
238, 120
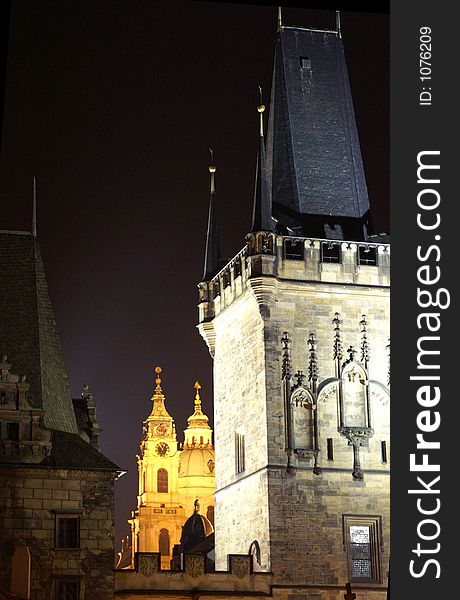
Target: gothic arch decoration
351, 390
300, 405
302, 410
379, 392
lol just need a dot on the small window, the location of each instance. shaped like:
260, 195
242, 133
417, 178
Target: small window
367, 255
12, 432
162, 481
362, 541
164, 542
384, 452
67, 531
330, 253
330, 449
305, 63
239, 453
67, 589
210, 514
293, 249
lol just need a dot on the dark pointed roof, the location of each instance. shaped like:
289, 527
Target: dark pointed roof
313, 153
262, 211
212, 252
28, 332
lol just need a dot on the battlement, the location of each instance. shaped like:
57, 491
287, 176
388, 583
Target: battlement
295, 259
147, 575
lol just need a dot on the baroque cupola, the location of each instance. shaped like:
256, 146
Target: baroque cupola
197, 460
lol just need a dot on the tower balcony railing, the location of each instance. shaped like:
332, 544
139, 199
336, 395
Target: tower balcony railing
295, 259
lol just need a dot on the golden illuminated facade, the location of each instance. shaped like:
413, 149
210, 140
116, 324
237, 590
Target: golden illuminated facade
172, 477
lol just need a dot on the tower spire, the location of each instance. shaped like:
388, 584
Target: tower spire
34, 208
212, 253
337, 23
262, 212
280, 21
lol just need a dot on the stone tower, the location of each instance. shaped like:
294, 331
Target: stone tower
171, 479
298, 325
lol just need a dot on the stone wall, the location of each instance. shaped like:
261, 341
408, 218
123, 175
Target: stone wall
31, 499
296, 515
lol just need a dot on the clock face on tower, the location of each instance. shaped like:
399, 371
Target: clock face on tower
162, 449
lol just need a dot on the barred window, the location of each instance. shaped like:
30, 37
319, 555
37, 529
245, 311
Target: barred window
67, 589
362, 541
330, 252
67, 531
293, 249
367, 255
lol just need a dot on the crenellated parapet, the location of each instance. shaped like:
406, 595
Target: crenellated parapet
267, 260
240, 576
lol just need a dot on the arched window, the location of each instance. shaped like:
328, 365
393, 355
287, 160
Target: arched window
162, 481
164, 542
254, 553
210, 515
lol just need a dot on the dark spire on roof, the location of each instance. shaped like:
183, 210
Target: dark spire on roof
28, 332
314, 160
212, 252
262, 211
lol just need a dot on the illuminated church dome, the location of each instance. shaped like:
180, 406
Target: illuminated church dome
196, 462
195, 530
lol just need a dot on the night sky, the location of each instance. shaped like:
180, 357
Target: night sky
112, 105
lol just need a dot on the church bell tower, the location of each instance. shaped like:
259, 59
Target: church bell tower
298, 326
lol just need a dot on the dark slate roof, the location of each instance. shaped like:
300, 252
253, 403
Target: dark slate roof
313, 153
28, 334
81, 414
70, 451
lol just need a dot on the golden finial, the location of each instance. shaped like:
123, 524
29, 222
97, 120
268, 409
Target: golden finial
212, 169
197, 387
158, 370
261, 110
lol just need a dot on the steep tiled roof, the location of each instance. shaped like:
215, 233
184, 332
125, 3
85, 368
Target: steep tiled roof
28, 332
70, 451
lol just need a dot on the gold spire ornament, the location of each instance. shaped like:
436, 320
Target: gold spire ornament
197, 387
261, 110
158, 389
